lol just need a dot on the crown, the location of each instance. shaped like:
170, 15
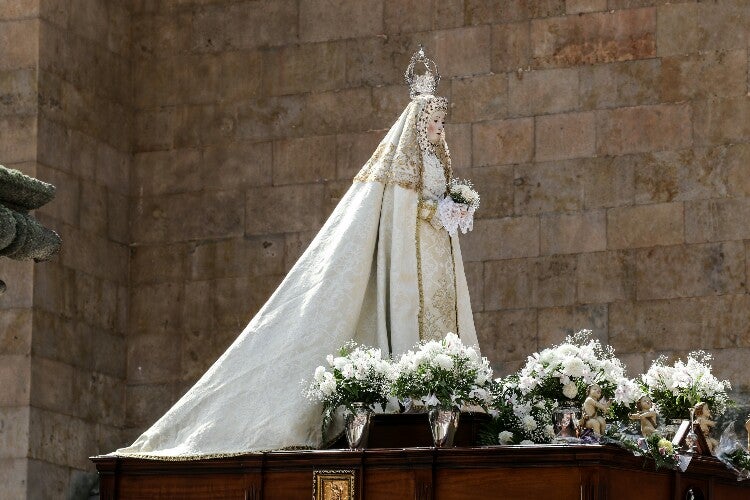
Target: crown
425, 83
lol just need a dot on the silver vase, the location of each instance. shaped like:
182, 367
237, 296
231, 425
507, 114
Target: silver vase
443, 424
357, 421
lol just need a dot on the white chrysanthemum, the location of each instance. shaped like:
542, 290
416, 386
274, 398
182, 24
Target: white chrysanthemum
570, 390
444, 361
573, 366
529, 423
505, 437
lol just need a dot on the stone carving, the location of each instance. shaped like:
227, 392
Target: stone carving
21, 236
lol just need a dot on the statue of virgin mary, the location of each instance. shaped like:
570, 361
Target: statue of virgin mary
382, 271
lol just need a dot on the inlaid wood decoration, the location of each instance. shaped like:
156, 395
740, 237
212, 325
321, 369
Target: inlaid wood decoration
333, 484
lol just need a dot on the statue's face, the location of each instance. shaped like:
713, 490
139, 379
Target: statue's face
435, 127
645, 403
596, 392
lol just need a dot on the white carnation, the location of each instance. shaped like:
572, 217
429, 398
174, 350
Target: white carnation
570, 390
444, 361
505, 437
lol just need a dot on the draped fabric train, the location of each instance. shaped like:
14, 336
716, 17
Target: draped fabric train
357, 280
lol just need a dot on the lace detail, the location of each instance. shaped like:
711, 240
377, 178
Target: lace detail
434, 178
436, 282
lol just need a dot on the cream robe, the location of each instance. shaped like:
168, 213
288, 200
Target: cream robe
358, 279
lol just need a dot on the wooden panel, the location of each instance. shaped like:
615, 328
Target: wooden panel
288, 485
384, 484
187, 487
628, 484
509, 483
724, 491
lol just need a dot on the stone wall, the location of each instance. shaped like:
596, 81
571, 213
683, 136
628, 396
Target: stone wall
198, 145
65, 105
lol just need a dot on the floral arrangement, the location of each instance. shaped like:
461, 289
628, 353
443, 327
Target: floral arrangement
444, 374
456, 211
517, 419
659, 449
563, 373
357, 375
675, 389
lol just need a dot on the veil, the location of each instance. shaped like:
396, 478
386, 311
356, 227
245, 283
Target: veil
358, 280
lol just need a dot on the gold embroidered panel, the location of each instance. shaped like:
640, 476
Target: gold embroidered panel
334, 484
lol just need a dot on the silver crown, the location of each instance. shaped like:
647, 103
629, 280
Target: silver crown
425, 83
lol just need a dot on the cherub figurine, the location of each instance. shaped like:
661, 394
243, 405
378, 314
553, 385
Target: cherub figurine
646, 415
591, 406
747, 428
703, 420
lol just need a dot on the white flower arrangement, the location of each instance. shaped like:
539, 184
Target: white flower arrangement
518, 419
357, 375
563, 373
456, 211
677, 387
444, 374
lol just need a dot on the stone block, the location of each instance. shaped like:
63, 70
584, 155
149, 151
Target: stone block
19, 44
19, 278
294, 245
507, 335
693, 27
573, 233
154, 129
297, 208
459, 142
14, 432
608, 181
656, 325
157, 308
606, 276
496, 188
110, 357
543, 91
188, 216
731, 364
353, 150
549, 187
503, 142
692, 174
645, 225
15, 376
569, 135
119, 39
594, 38
246, 25
387, 104
303, 160
321, 20
237, 258
118, 225
18, 136
727, 324
19, 9
312, 67
146, 403
54, 148
539, 282
96, 301
502, 11
89, 19
94, 217
581, 6
61, 439
511, 47
379, 60
159, 34
13, 476
704, 75
61, 339
506, 238
15, 332
719, 121
153, 358
556, 323
463, 51
479, 98
18, 92
239, 165
159, 263
113, 168
99, 398
475, 279
173, 171
717, 220
407, 16
691, 270
99, 257
627, 83
238, 299
643, 128
66, 206
332, 112
52, 386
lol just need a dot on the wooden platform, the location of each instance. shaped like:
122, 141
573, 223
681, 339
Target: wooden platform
562, 472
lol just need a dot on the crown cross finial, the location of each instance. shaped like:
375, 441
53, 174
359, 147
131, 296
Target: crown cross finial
425, 83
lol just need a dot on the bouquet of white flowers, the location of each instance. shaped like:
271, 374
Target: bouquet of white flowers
518, 419
357, 375
563, 373
444, 374
675, 389
457, 209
